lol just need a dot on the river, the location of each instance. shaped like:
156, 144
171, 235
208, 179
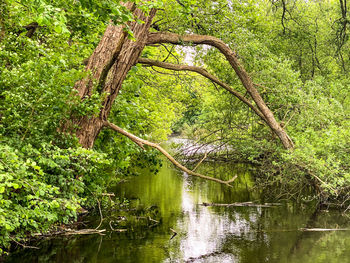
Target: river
205, 234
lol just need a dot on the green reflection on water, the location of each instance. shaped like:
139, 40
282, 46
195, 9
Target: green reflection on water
205, 234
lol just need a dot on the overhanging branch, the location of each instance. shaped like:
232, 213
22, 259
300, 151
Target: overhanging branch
176, 39
140, 142
204, 73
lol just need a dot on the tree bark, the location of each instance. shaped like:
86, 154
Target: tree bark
108, 66
161, 37
4, 14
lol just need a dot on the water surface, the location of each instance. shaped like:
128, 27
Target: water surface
205, 234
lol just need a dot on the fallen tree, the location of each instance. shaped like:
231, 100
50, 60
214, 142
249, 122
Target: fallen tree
141, 142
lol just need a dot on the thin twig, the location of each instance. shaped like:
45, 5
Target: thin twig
142, 142
199, 163
174, 233
99, 208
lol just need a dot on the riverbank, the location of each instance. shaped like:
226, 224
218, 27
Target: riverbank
282, 173
210, 234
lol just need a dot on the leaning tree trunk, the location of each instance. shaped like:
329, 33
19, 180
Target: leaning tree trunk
112, 59
116, 54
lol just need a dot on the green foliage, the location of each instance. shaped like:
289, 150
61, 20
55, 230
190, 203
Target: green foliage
43, 186
65, 17
295, 53
35, 83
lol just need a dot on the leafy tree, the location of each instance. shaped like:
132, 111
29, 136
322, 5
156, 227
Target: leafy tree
74, 72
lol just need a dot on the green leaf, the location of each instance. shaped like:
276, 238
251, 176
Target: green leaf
58, 28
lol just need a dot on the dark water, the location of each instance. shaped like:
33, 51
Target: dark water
205, 234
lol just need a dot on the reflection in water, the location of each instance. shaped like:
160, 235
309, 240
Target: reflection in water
205, 234
203, 231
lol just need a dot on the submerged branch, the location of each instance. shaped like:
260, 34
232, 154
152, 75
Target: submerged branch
323, 229
99, 209
251, 204
84, 232
140, 142
69, 232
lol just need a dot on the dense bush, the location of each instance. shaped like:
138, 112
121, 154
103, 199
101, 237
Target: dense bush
40, 187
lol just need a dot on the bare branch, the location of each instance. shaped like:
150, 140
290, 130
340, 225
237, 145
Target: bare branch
199, 163
170, 52
22, 245
140, 142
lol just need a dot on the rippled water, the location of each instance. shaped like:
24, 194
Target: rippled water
205, 234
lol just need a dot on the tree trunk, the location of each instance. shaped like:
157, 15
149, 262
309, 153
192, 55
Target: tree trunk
112, 59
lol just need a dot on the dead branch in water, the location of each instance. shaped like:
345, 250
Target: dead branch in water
99, 209
84, 232
68, 232
323, 229
141, 142
116, 229
156, 222
23, 245
249, 204
205, 256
